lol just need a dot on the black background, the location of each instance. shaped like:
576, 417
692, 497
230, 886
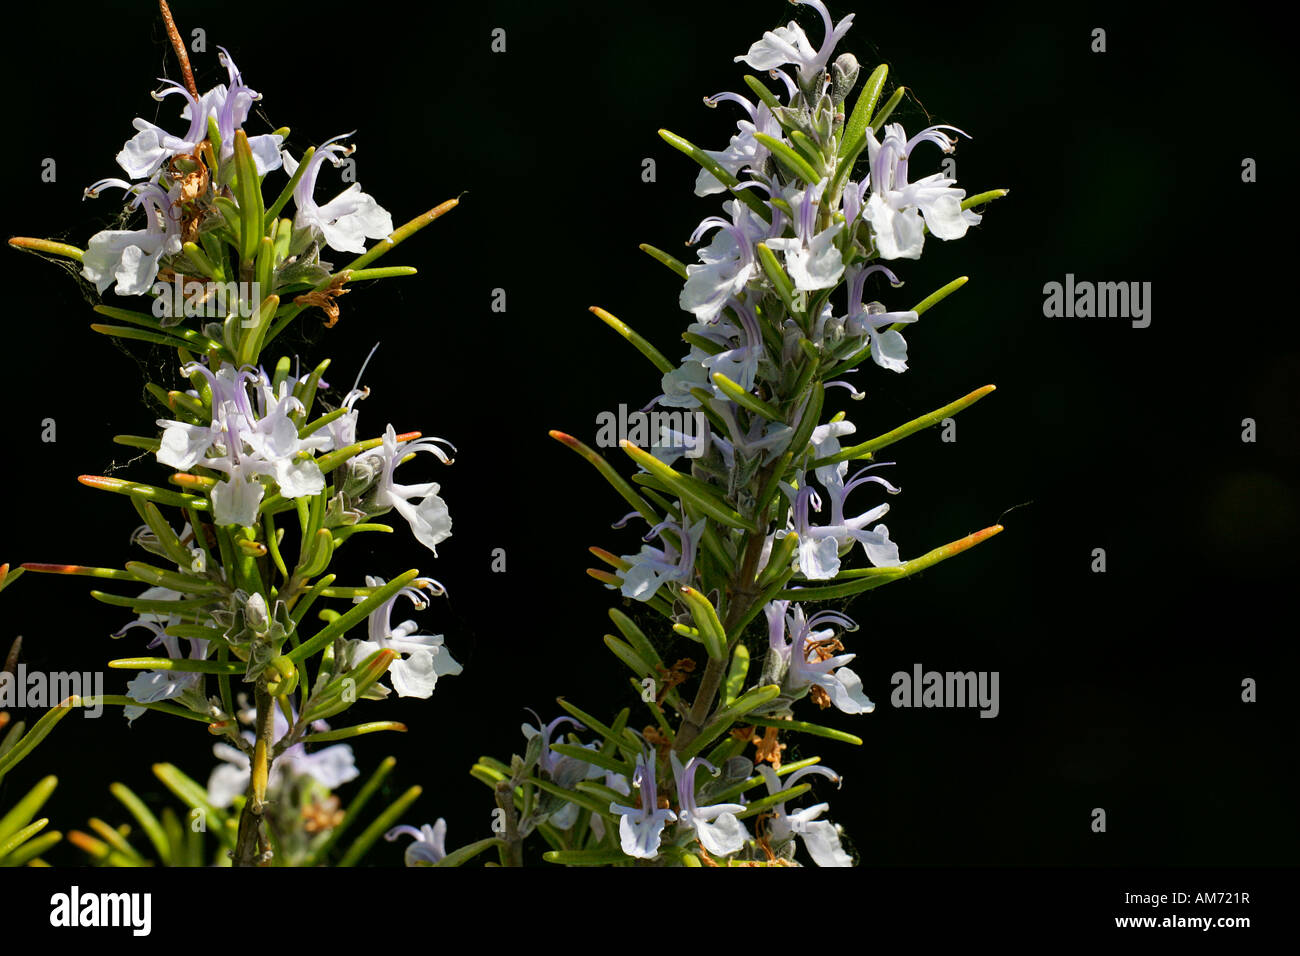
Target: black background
1118, 690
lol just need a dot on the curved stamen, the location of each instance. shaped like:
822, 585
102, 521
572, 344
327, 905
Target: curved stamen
790, 88
198, 120
712, 102
855, 393
362, 370
92, 191
833, 617
622, 522
815, 768
710, 222
861, 479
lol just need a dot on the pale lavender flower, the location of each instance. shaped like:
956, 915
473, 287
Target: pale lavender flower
789, 44
888, 347
744, 151
347, 220
422, 658
563, 770
812, 259
146, 152
430, 520
899, 211
715, 826
739, 363
821, 838
149, 687
804, 667
246, 443
652, 567
130, 257
819, 545
728, 262
430, 844
640, 828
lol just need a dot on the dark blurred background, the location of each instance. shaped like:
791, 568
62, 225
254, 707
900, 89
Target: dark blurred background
1119, 690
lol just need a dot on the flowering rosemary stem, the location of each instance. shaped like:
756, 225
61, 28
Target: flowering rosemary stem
251, 844
741, 601
512, 854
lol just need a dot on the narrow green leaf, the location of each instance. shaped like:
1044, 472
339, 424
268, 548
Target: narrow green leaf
707, 622
721, 175
672, 263
789, 158
287, 192
776, 274
25, 809
147, 492
607, 472
726, 716
469, 851
645, 348
875, 577
628, 656
381, 824
868, 448
401, 234
803, 727
182, 665
148, 822
248, 191
758, 806
591, 756
736, 674
635, 637
586, 857
860, 118
40, 730
762, 92
744, 399
980, 199
9, 844
47, 246
356, 730
31, 849
690, 489
195, 797
353, 810
354, 616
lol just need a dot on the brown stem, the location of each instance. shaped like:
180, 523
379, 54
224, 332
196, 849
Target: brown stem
741, 599
251, 845
514, 849
178, 45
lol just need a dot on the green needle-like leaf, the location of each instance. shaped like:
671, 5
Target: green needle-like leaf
721, 175
645, 348
690, 489
381, 824
860, 118
868, 448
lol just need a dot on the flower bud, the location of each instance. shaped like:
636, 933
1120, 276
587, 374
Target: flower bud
256, 615
360, 475
844, 75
